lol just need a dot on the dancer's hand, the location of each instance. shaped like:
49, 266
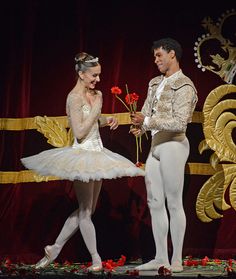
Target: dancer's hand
135, 130
137, 118
112, 122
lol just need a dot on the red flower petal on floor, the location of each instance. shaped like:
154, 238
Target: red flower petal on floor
164, 271
133, 272
7, 261
108, 266
217, 261
67, 263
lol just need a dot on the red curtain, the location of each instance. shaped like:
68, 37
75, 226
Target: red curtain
39, 42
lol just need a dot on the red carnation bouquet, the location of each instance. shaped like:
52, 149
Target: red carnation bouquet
130, 104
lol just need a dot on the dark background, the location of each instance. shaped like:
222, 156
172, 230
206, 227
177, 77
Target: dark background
39, 40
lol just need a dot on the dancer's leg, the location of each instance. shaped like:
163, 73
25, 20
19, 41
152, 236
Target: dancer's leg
70, 226
159, 218
87, 195
173, 159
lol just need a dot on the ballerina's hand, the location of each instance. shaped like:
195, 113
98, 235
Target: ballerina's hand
112, 122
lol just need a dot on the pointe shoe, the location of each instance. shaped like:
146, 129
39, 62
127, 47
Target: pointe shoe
95, 268
176, 267
152, 265
49, 257
97, 264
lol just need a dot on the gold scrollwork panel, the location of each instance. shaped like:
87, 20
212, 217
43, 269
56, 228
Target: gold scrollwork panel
219, 121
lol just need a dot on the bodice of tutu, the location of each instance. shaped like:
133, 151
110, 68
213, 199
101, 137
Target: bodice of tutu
84, 122
92, 141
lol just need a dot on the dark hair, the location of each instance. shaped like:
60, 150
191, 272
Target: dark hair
169, 44
83, 61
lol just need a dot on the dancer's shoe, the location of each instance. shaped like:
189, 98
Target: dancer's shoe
95, 268
152, 265
176, 267
51, 252
96, 264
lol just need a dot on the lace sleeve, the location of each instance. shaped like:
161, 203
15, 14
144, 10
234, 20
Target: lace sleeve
81, 125
102, 121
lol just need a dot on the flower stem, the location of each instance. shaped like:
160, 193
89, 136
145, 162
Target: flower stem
122, 102
140, 144
127, 92
137, 149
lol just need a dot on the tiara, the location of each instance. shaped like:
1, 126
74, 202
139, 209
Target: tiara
94, 60
86, 61
215, 52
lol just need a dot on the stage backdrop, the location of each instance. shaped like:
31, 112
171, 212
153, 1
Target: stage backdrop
39, 40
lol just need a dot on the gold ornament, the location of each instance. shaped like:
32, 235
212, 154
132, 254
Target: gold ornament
56, 134
218, 124
216, 49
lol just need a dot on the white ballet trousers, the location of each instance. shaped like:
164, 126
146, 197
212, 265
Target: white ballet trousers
87, 196
164, 183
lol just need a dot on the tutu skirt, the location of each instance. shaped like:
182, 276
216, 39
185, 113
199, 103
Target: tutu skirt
78, 164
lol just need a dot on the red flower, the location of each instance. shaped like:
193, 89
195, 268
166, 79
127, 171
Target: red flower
135, 96
116, 90
138, 164
130, 104
128, 99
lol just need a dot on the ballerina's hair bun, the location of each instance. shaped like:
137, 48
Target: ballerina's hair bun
83, 61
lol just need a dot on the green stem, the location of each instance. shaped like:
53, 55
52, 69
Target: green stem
122, 102
127, 92
140, 144
137, 149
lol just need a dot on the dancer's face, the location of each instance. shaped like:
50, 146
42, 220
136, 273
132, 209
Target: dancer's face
163, 59
91, 76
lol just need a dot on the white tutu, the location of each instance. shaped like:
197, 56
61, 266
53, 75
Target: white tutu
79, 164
84, 161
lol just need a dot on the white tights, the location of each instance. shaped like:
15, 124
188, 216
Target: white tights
87, 196
164, 182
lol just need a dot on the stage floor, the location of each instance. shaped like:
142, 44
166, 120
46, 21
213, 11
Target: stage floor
117, 269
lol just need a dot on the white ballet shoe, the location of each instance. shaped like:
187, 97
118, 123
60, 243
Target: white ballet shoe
97, 264
152, 265
95, 268
176, 267
51, 252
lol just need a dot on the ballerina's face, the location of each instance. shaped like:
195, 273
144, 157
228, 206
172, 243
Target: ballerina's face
91, 76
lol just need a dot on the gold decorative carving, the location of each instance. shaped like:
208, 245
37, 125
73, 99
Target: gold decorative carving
217, 49
218, 124
56, 134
